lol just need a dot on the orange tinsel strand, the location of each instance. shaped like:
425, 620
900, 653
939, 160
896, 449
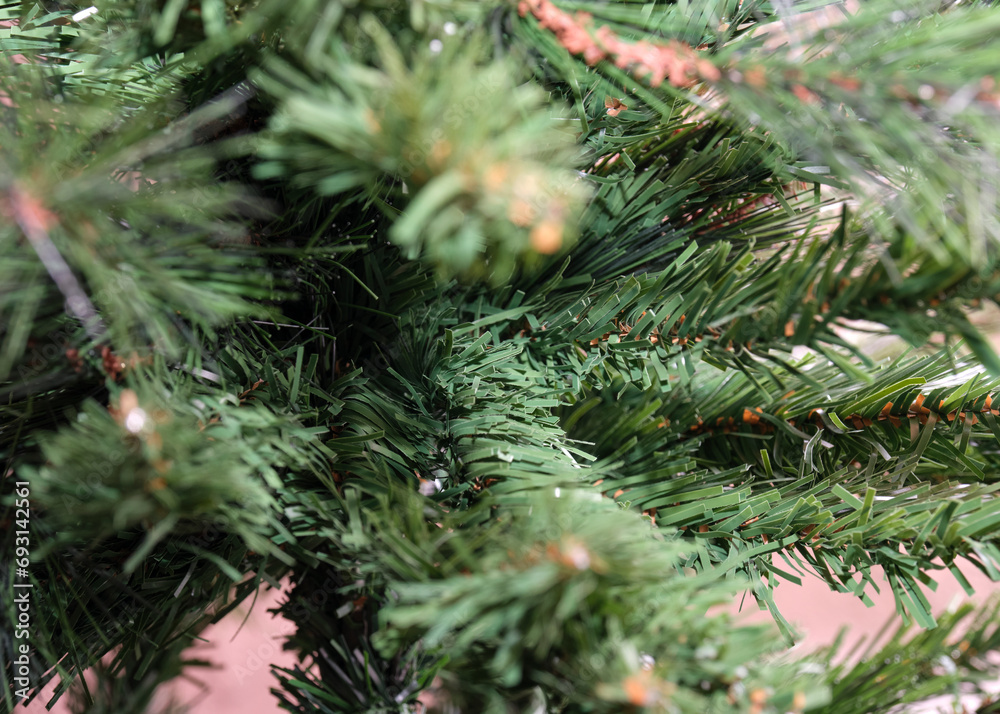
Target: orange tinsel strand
675, 61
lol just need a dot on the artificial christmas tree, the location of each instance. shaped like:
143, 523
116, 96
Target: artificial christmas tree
510, 333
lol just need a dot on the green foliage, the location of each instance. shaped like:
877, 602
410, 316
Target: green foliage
169, 468
516, 357
929, 668
117, 187
482, 168
884, 115
586, 563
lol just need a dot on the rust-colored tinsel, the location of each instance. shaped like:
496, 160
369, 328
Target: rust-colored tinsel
676, 62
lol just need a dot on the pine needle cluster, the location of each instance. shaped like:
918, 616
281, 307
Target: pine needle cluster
510, 335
